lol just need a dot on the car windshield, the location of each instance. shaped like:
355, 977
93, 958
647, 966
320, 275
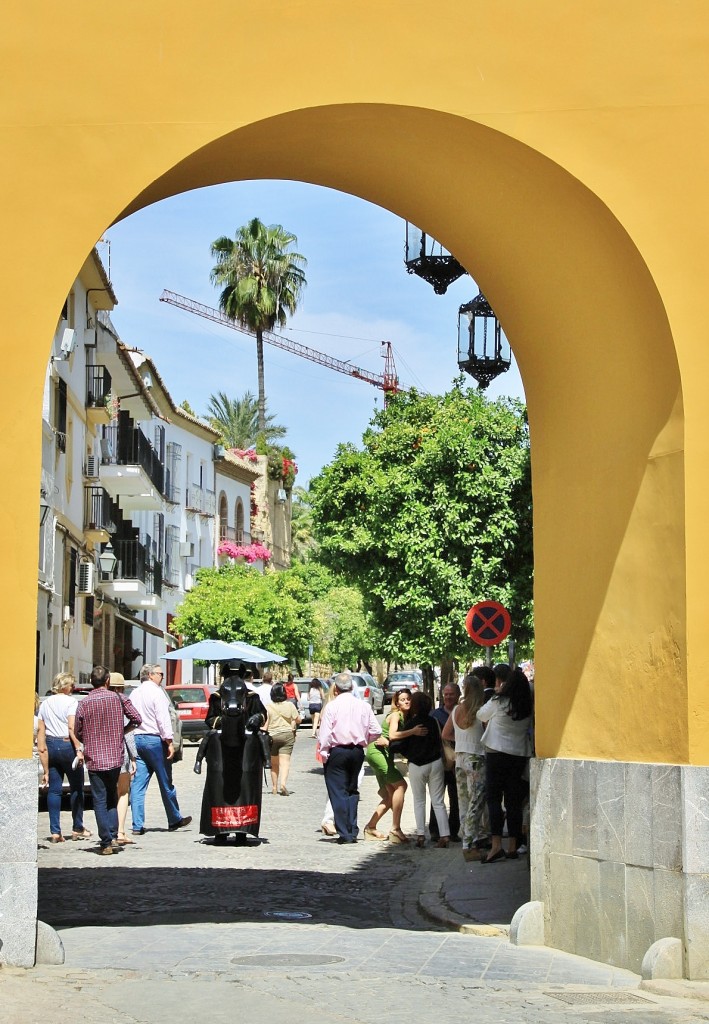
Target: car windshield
189, 695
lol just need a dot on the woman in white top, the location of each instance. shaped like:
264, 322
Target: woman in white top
507, 749
315, 704
61, 754
464, 728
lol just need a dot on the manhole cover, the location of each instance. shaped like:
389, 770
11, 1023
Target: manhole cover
286, 960
588, 998
287, 915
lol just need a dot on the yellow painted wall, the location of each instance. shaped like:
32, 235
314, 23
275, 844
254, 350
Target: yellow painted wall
560, 151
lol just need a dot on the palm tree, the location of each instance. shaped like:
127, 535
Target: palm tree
262, 280
303, 542
237, 421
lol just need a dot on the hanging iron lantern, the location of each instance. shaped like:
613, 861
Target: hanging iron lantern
429, 260
483, 349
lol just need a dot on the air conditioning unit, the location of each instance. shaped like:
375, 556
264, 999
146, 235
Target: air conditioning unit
68, 341
91, 470
186, 548
87, 577
106, 450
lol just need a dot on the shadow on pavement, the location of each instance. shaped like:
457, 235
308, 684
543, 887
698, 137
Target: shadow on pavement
72, 897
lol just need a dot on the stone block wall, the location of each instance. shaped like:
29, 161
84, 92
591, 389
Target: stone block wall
620, 858
18, 862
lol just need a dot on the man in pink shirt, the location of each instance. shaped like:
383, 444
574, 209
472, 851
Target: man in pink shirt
347, 726
153, 741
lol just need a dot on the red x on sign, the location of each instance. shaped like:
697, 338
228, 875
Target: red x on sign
488, 623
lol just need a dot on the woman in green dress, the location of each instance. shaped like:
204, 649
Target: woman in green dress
392, 785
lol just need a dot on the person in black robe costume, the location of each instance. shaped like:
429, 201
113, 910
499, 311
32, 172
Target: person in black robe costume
236, 752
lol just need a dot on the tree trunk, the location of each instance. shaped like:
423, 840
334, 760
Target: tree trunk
429, 682
261, 385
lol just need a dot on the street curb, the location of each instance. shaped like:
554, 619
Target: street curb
679, 989
433, 908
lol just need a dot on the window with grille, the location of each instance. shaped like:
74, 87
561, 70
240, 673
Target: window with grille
171, 574
172, 463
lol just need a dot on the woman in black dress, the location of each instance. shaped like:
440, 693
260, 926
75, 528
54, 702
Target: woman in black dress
236, 751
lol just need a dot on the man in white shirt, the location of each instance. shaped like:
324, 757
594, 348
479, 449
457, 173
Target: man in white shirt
263, 689
153, 740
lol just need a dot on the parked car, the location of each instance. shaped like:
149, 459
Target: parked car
369, 690
408, 678
192, 703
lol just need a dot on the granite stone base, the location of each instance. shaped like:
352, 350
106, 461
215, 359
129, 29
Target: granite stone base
620, 859
18, 862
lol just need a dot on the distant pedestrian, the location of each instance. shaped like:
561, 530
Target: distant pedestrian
507, 750
450, 697
391, 783
315, 699
282, 724
263, 688
348, 725
101, 725
155, 748
425, 755
464, 728
292, 692
60, 755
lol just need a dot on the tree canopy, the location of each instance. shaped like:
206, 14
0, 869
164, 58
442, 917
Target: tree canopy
432, 514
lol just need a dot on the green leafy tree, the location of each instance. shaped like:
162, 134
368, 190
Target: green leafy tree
432, 514
262, 280
343, 636
237, 420
239, 603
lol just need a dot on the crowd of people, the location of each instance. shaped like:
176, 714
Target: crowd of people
472, 750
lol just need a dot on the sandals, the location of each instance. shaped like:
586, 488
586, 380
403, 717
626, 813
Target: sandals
443, 843
397, 836
56, 839
372, 833
327, 829
79, 836
123, 840
420, 842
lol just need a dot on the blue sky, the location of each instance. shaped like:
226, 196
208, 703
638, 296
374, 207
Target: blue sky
358, 295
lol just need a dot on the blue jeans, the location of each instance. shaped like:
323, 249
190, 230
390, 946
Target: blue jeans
104, 791
152, 760
341, 777
61, 754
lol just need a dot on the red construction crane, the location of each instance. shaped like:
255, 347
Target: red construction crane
387, 381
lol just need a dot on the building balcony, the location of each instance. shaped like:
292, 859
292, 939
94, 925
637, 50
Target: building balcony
137, 577
237, 536
201, 501
131, 470
98, 388
98, 516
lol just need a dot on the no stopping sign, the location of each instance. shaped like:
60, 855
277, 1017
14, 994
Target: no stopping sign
488, 623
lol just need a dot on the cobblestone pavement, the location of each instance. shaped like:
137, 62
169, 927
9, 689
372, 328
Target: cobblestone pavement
173, 928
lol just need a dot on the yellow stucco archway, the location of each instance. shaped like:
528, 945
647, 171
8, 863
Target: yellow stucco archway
560, 153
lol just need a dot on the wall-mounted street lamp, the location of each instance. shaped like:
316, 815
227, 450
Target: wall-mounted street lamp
107, 559
44, 508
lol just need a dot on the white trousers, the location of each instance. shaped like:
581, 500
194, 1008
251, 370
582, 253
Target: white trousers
431, 775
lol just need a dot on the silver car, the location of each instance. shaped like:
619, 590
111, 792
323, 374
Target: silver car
369, 690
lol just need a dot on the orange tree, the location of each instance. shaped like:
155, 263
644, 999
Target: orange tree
431, 514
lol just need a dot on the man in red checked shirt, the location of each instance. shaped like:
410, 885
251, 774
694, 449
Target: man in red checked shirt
100, 724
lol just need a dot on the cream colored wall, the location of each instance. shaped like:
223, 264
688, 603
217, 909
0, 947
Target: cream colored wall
560, 151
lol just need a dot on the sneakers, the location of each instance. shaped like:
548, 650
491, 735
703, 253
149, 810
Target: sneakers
522, 848
138, 831
182, 823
